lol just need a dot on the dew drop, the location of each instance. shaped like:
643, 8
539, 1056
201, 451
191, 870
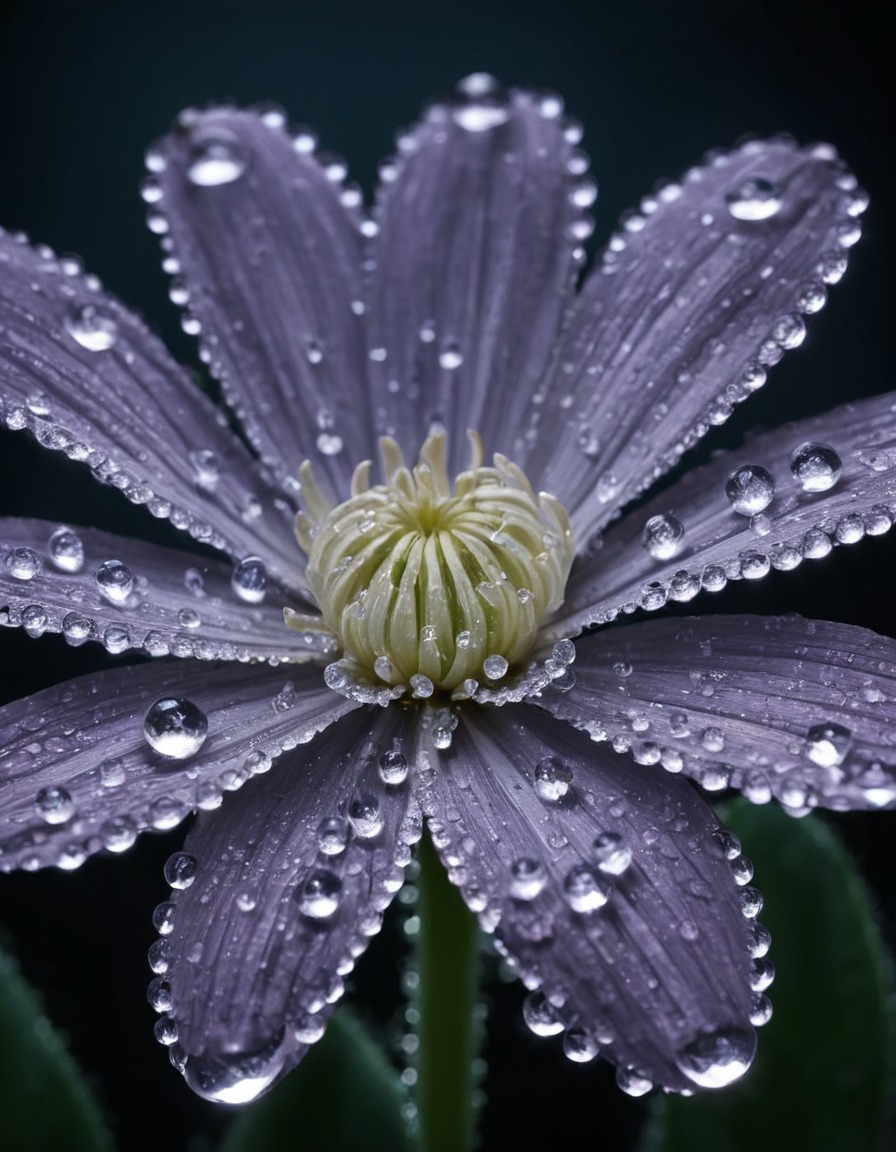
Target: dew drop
329, 443
180, 870
332, 835
750, 489
584, 890
579, 1047
527, 878
216, 157
393, 768
175, 727
451, 357
365, 817
481, 103
318, 897
238, 1077
816, 467
494, 667
540, 1015
54, 805
552, 778
632, 1083
662, 536
717, 1059
754, 199
249, 580
91, 328
611, 854
828, 744
114, 581
66, 550
34, 620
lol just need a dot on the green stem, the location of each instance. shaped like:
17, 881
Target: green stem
448, 993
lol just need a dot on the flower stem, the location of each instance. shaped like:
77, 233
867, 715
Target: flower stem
448, 994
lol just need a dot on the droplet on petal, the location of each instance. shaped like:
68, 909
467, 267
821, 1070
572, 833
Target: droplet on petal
216, 157
750, 489
754, 199
175, 727
817, 467
717, 1059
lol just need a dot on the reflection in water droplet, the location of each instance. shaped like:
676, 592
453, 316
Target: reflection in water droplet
238, 1077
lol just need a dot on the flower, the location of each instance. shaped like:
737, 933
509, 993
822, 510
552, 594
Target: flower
428, 669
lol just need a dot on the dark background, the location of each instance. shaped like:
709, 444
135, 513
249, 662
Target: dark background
84, 87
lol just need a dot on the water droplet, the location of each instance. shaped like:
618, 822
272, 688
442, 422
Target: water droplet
552, 778
828, 744
584, 890
115, 581
393, 768
494, 667
540, 1015
23, 563
189, 618
579, 1047
816, 467
250, 580
216, 157
365, 817
329, 443
319, 896
754, 199
527, 878
66, 550
718, 1058
34, 620
238, 1077
91, 328
451, 357
750, 489
54, 805
663, 536
632, 1083
207, 468
175, 727
180, 870
481, 103
421, 686
612, 855
118, 834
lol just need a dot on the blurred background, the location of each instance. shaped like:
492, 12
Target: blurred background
85, 86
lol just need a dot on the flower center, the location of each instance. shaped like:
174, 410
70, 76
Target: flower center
429, 587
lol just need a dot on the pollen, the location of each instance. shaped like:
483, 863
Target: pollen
422, 582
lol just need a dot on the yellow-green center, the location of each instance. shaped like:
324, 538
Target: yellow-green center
430, 587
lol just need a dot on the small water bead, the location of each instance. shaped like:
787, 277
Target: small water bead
718, 1058
332, 835
23, 563
741, 870
552, 778
750, 489
163, 918
451, 357
112, 773
189, 618
754, 199
527, 878
207, 468
482, 103
760, 1010
421, 686
816, 467
118, 834
115, 581
579, 1047
584, 890
319, 896
365, 817
216, 157
632, 1083
751, 901
540, 1015
180, 870
174, 727
34, 620
66, 550
494, 667
663, 536
760, 940
309, 1028
612, 855
91, 328
728, 842
828, 744
393, 768
159, 995
165, 1030
54, 805
249, 580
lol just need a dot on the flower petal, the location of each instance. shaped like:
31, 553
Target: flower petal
77, 773
479, 224
270, 253
695, 297
690, 538
607, 885
286, 887
800, 709
130, 594
89, 379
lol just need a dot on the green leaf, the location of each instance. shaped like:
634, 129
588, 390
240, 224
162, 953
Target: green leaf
44, 1100
824, 1073
345, 1096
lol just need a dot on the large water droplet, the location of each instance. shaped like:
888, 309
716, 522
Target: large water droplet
552, 778
816, 467
527, 878
750, 489
66, 550
92, 329
180, 870
250, 580
115, 581
54, 805
216, 157
828, 744
332, 835
365, 816
584, 890
663, 536
393, 768
175, 727
238, 1077
22, 563
754, 199
718, 1058
612, 855
318, 897
540, 1015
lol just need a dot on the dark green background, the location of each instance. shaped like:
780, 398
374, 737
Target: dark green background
83, 88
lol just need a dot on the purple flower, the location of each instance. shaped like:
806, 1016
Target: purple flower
427, 669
